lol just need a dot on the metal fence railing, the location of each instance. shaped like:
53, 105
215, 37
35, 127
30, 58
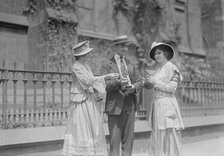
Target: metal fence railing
31, 98
201, 97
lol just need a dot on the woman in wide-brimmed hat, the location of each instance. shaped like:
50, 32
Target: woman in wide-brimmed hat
164, 117
84, 133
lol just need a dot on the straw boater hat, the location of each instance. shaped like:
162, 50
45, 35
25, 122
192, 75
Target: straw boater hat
165, 46
81, 48
122, 40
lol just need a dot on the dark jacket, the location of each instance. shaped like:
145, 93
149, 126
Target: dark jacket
114, 97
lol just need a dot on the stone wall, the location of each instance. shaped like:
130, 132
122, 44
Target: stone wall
51, 34
13, 32
12, 6
181, 18
13, 45
212, 28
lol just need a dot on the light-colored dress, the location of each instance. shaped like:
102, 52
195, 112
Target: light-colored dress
84, 132
164, 117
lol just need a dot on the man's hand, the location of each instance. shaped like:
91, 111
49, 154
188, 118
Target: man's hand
129, 89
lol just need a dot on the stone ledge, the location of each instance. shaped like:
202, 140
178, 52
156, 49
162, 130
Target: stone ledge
14, 19
47, 134
203, 121
95, 34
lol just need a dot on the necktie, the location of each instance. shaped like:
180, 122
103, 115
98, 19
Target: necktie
124, 71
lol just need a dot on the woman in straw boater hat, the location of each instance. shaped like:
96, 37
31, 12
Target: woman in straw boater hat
165, 118
84, 133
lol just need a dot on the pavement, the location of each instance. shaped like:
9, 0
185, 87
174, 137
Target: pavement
209, 147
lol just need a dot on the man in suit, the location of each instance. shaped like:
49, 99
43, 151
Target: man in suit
121, 98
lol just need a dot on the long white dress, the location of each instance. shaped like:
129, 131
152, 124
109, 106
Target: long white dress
165, 118
84, 132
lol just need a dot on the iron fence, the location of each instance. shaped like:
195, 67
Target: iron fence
33, 98
203, 97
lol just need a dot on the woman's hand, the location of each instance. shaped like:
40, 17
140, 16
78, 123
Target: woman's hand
112, 76
149, 79
148, 82
171, 114
150, 72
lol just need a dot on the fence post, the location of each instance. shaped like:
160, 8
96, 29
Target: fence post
4, 95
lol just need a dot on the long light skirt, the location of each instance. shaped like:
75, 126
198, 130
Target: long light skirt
84, 133
164, 142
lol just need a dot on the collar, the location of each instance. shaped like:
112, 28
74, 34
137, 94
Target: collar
117, 57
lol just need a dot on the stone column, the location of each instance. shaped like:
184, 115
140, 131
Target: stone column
51, 33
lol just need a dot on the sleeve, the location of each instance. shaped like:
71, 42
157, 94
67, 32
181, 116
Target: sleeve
171, 86
111, 84
86, 80
99, 84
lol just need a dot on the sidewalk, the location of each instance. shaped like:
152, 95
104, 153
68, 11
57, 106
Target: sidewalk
211, 147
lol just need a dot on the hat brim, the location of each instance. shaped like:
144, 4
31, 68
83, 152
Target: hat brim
123, 42
165, 46
86, 51
78, 45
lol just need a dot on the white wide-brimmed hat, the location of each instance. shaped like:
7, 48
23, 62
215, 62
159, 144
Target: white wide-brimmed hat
156, 45
81, 48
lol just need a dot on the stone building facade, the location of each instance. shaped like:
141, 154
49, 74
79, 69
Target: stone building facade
13, 32
186, 22
213, 33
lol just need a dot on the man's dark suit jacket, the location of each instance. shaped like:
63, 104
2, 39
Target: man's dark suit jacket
115, 98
